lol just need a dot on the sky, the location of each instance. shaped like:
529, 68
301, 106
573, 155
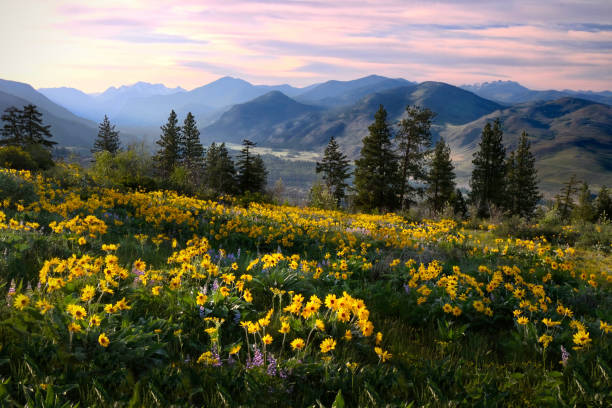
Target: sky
91, 45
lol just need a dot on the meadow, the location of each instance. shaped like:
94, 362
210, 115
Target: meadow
141, 298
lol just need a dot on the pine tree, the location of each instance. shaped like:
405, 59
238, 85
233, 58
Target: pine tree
220, 173
108, 138
512, 188
192, 150
414, 143
168, 156
335, 169
565, 201
252, 172
584, 211
11, 131
604, 204
459, 204
524, 180
34, 132
376, 171
441, 177
489, 173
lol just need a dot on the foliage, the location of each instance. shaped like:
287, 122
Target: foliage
565, 200
522, 182
321, 197
169, 153
335, 168
414, 143
252, 173
130, 168
192, 152
133, 298
107, 139
219, 170
14, 157
376, 170
25, 127
584, 211
489, 173
441, 178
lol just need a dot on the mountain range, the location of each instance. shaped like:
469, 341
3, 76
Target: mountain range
570, 131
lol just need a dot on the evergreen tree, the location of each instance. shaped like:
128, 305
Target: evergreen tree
219, 170
584, 211
168, 156
565, 201
604, 204
488, 175
414, 143
252, 172
459, 204
11, 131
108, 138
441, 177
335, 169
522, 180
33, 130
376, 171
192, 150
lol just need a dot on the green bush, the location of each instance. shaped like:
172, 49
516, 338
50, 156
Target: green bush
17, 189
132, 168
13, 157
41, 156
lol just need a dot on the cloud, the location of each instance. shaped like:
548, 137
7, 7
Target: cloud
150, 38
537, 43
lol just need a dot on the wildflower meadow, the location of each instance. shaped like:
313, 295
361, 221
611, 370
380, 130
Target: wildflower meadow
157, 299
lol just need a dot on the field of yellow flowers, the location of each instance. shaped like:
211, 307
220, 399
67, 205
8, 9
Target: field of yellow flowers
154, 299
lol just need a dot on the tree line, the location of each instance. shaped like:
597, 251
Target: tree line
182, 163
397, 168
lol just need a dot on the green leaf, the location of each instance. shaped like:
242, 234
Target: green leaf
339, 401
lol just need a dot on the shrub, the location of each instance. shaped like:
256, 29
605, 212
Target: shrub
16, 189
13, 157
320, 197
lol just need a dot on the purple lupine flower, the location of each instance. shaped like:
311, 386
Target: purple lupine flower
215, 355
237, 317
406, 288
564, 356
12, 289
271, 366
257, 360
282, 373
202, 311
215, 286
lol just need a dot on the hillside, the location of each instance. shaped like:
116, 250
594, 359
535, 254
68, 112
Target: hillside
342, 93
311, 129
67, 129
568, 136
510, 92
257, 119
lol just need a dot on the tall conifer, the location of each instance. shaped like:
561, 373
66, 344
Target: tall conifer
335, 169
376, 171
107, 139
441, 177
252, 173
414, 143
192, 152
168, 156
220, 172
489, 173
522, 180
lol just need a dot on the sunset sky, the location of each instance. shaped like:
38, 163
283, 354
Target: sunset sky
91, 45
